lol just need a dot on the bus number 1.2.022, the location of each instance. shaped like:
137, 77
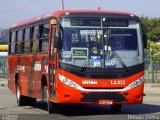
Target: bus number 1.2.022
117, 82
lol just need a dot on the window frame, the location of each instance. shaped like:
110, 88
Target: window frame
27, 40
34, 39
44, 40
12, 42
20, 43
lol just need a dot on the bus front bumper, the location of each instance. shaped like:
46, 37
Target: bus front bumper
69, 95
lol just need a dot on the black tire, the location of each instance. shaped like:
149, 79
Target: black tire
116, 108
51, 107
31, 101
21, 100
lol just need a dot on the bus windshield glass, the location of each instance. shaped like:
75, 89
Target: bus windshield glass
82, 42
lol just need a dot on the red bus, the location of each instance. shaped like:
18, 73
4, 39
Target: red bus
77, 57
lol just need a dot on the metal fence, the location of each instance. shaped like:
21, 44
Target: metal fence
3, 67
152, 71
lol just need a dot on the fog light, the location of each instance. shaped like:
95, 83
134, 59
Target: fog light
125, 93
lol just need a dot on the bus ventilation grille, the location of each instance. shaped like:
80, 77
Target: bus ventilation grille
95, 96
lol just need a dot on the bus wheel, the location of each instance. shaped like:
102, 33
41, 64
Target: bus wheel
20, 98
50, 105
31, 101
116, 108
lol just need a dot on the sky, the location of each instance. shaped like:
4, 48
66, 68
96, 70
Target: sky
13, 11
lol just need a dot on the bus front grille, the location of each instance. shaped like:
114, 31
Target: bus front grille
96, 96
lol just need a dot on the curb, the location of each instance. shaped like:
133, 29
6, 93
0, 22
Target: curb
152, 89
3, 83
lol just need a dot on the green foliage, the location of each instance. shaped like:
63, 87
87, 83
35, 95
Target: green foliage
151, 27
0, 64
154, 48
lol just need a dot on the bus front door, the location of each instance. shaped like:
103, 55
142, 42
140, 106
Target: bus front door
52, 63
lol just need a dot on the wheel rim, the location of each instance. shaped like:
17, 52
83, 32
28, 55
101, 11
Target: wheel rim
18, 93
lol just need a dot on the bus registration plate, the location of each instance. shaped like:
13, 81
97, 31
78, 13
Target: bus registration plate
105, 102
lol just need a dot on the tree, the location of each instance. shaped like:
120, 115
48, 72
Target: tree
152, 28
154, 48
0, 64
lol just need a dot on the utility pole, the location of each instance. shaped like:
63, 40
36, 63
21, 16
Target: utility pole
62, 4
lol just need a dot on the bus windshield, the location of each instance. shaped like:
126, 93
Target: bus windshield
82, 43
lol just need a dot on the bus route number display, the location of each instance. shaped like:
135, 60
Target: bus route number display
97, 22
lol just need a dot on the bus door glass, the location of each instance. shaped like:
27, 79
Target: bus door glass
52, 66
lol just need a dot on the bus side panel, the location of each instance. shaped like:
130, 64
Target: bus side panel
24, 73
12, 70
39, 71
32, 74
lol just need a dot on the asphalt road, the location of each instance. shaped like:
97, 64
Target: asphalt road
9, 109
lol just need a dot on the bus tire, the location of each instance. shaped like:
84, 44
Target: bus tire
31, 101
51, 107
20, 99
116, 108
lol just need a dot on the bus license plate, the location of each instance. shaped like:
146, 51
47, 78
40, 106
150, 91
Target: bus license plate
105, 102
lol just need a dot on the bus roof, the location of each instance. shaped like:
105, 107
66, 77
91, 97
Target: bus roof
59, 13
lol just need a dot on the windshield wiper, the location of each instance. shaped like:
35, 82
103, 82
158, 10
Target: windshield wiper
85, 65
119, 59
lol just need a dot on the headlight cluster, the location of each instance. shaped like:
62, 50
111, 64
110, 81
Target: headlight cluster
136, 83
68, 81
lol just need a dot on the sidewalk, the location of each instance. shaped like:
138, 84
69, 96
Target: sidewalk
3, 82
152, 88
149, 88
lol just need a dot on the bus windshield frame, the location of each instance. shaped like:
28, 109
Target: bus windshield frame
103, 34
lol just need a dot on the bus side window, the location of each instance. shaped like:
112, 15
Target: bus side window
12, 42
44, 37
19, 41
27, 40
34, 39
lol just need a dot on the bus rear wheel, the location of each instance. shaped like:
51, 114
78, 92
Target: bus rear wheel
116, 108
20, 98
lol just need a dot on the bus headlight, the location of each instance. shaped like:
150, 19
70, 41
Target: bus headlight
135, 83
68, 82
65, 80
